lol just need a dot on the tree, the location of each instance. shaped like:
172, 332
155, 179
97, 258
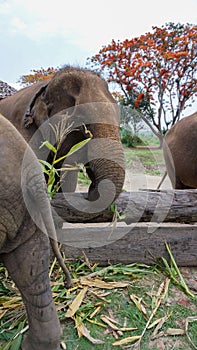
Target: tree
156, 72
38, 75
129, 117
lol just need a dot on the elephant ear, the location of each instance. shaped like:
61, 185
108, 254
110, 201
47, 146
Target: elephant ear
28, 117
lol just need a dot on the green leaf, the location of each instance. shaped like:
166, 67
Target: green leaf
44, 169
73, 149
45, 163
49, 146
15, 342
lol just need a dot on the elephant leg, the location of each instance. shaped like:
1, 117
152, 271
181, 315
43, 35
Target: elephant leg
181, 186
28, 266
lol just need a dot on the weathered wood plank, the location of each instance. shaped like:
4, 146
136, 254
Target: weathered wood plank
132, 243
141, 206
152, 218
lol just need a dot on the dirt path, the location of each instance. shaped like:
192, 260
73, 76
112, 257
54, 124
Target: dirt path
137, 181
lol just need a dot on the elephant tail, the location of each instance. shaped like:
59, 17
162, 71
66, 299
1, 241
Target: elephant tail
60, 260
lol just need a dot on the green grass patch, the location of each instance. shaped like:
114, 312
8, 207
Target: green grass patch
145, 160
118, 303
151, 141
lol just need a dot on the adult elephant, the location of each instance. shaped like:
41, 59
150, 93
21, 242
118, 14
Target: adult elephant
180, 153
82, 98
26, 228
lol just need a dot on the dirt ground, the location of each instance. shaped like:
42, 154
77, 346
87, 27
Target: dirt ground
137, 181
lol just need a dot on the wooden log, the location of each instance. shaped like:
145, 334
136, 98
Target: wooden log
127, 244
141, 206
152, 218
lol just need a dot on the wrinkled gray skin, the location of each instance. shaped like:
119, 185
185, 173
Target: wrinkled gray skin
24, 248
86, 97
180, 153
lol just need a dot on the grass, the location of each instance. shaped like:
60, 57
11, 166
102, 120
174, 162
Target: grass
150, 140
144, 160
149, 161
107, 302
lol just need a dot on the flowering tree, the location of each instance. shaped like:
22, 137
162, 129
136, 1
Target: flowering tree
38, 75
156, 72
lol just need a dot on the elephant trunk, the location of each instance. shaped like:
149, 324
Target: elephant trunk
106, 170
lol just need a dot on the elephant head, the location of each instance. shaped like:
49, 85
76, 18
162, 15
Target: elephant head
83, 99
179, 148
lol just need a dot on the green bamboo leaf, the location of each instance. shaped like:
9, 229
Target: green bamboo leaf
44, 169
182, 282
49, 188
16, 343
49, 146
73, 149
45, 163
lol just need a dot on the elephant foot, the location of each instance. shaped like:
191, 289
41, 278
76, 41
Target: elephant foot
30, 344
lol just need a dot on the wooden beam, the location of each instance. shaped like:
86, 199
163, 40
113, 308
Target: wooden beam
127, 244
141, 206
152, 218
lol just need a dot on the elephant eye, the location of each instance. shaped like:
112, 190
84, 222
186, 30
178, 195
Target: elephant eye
72, 101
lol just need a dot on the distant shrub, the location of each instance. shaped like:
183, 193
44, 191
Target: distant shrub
137, 140
128, 139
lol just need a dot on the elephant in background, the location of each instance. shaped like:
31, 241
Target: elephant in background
83, 99
180, 153
25, 244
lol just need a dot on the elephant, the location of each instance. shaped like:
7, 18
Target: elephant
82, 97
179, 149
26, 230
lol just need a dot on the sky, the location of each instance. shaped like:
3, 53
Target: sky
45, 33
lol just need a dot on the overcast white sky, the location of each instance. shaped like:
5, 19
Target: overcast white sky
43, 33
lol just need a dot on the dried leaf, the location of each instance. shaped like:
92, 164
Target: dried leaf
101, 284
112, 324
2, 314
175, 331
111, 319
74, 306
97, 323
159, 325
100, 296
126, 341
115, 334
160, 297
127, 329
155, 323
109, 322
83, 331
11, 303
95, 312
139, 305
158, 335
187, 321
